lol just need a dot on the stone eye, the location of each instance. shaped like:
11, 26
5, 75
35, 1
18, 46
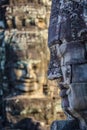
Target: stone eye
19, 66
34, 67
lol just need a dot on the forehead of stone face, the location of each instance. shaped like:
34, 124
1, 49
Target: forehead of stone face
21, 64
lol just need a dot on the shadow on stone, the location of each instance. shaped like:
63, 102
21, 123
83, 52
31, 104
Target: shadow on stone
65, 125
28, 124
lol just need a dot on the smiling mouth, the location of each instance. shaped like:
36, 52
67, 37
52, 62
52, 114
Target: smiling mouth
26, 86
26, 80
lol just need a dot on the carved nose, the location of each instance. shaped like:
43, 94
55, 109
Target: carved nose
27, 75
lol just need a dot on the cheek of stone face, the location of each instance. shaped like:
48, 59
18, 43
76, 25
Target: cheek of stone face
15, 74
19, 73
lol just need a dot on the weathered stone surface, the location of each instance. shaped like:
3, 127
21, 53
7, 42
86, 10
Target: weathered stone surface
28, 16
67, 43
28, 123
42, 109
79, 73
64, 21
26, 63
77, 96
72, 53
65, 125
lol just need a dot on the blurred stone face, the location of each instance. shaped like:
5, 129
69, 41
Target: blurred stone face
21, 77
19, 71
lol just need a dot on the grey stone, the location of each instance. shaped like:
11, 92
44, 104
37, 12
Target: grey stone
54, 70
77, 96
65, 125
79, 73
68, 28
72, 53
65, 16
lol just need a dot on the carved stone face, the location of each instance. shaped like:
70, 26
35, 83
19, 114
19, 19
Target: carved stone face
21, 76
18, 67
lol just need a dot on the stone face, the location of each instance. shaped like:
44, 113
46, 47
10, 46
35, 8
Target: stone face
26, 44
26, 48
27, 54
24, 60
